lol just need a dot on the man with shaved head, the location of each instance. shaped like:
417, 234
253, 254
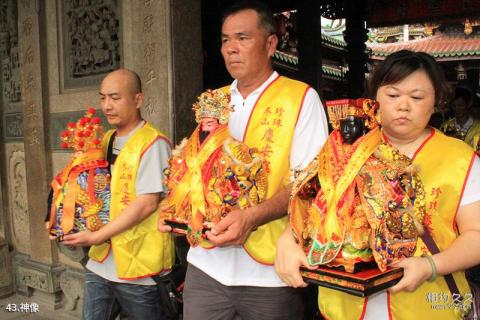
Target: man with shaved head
129, 250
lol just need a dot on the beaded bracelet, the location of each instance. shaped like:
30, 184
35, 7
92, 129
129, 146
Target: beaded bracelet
434, 268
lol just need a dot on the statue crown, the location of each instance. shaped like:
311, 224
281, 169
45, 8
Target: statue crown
213, 104
362, 107
83, 135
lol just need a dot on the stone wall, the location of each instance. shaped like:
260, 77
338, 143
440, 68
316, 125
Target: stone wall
52, 64
12, 171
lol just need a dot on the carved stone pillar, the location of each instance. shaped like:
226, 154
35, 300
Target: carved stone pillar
11, 131
146, 33
163, 44
37, 165
38, 273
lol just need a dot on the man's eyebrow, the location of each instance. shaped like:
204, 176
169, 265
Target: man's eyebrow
243, 33
109, 94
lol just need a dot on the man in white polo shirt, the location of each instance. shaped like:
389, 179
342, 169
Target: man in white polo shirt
285, 120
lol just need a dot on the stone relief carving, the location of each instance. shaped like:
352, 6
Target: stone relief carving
71, 283
91, 37
9, 52
32, 278
37, 275
18, 198
13, 124
149, 64
150, 107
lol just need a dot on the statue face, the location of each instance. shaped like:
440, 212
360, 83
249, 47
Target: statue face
352, 128
209, 124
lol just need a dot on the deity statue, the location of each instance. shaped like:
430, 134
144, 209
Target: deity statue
360, 202
211, 174
81, 191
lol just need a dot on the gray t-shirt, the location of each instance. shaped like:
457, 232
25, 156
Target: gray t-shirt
150, 175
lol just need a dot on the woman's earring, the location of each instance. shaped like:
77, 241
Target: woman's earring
377, 117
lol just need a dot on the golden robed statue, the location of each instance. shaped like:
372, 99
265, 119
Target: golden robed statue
360, 203
81, 191
210, 173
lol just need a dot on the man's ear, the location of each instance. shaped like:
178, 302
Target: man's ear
272, 41
139, 97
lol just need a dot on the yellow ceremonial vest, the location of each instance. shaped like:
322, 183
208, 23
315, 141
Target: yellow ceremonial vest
443, 175
473, 134
142, 250
270, 130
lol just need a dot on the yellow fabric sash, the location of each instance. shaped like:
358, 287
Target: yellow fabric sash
364, 147
443, 175
140, 251
68, 179
270, 130
195, 156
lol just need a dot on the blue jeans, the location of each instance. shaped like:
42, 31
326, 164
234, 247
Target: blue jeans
137, 301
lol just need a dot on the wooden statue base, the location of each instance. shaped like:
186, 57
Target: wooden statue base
362, 283
181, 227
